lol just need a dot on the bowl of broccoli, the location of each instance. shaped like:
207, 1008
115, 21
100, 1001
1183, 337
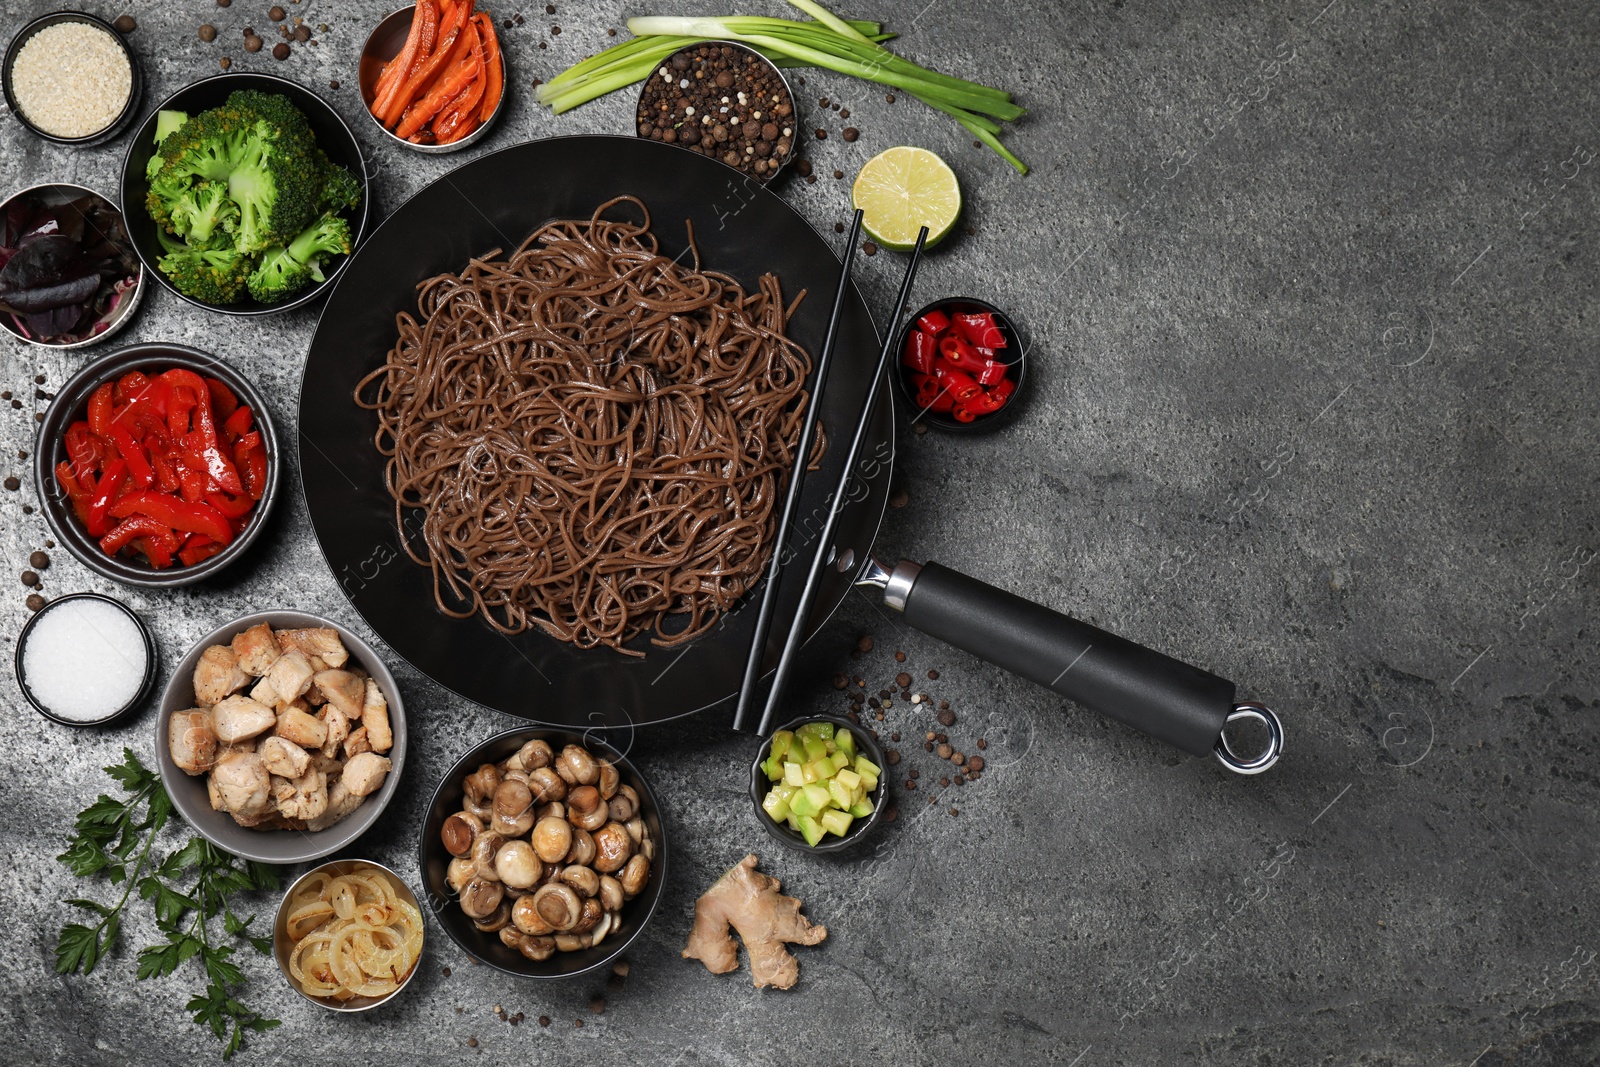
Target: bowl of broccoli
245, 194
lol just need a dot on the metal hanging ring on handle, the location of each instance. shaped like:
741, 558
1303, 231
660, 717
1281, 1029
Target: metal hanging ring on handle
1255, 764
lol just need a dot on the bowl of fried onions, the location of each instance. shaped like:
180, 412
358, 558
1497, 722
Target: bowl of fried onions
348, 935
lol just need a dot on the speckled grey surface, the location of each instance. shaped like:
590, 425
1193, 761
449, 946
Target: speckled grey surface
1312, 293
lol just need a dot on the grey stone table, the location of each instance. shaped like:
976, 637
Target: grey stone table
1312, 289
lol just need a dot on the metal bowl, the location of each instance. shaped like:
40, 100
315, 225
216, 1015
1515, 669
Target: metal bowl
333, 137
188, 792
282, 947
794, 109
151, 661
70, 405
860, 829
135, 86
115, 319
383, 44
487, 948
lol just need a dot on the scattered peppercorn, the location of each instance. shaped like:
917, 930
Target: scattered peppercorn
445, 972
555, 31
869, 249
982, 743
823, 102
947, 717
280, 51
893, 756
822, 134
840, 681
953, 811
911, 783
612, 32
302, 33
334, 84
224, 3
838, 227
974, 765
850, 133
30, 579
208, 32
252, 42
549, 9
472, 1042
276, 13
865, 643
845, 113
972, 231
927, 746
39, 561
944, 705
899, 498
894, 736
945, 750
13, 484
125, 24
578, 1023
544, 1020
891, 815
597, 1005
27, 509
224, 62
902, 679
35, 601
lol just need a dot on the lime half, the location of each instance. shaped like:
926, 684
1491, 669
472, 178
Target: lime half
903, 189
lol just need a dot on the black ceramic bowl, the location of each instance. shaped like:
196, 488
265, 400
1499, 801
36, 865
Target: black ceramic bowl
135, 87
1014, 355
487, 948
333, 137
860, 829
71, 404
151, 663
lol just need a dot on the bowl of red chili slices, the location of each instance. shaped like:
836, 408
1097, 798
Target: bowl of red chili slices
962, 366
157, 465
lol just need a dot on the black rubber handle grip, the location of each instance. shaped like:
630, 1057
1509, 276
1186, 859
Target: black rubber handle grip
1182, 705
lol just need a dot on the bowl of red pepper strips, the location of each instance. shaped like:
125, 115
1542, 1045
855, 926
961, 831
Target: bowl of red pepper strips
157, 465
962, 365
432, 75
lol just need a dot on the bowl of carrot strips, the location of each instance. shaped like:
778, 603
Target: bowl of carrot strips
432, 75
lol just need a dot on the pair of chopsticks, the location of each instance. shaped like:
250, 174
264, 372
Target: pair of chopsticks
819, 556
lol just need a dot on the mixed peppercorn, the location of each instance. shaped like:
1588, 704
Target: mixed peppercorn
722, 101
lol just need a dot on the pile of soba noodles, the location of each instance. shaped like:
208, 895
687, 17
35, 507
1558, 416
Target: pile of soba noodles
589, 437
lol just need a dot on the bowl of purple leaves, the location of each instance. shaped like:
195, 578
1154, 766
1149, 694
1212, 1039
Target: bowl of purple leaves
68, 273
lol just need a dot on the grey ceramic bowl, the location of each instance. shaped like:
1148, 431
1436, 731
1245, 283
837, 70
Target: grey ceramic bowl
274, 846
282, 947
383, 44
860, 829
70, 405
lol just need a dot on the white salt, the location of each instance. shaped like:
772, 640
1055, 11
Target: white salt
84, 659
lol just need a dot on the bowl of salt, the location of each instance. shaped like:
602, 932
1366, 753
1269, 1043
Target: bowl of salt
85, 660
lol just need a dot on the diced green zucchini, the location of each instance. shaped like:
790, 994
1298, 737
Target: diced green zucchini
792, 775
840, 760
868, 783
846, 742
815, 747
772, 767
781, 742
835, 822
841, 796
861, 808
811, 829
775, 806
866, 768
847, 778
793, 820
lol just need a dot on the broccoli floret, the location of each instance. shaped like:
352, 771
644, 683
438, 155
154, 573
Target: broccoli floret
275, 186
167, 191
340, 190
217, 276
203, 213
167, 122
328, 236
208, 146
278, 277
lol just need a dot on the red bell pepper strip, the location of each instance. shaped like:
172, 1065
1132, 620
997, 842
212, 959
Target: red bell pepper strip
178, 514
83, 452
123, 533
251, 456
133, 454
223, 402
78, 496
165, 467
980, 329
215, 463
233, 507
193, 485
155, 550
179, 406
127, 385
104, 497
934, 322
101, 409
197, 548
921, 350
238, 424
991, 373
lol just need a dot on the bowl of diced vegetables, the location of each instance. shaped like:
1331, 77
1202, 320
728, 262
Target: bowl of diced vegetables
963, 366
817, 784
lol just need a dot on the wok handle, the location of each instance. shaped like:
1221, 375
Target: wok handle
1173, 701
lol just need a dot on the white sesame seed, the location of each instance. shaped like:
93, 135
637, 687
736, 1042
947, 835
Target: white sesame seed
71, 79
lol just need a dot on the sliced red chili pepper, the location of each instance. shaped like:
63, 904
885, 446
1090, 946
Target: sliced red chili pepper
961, 386
921, 349
933, 322
238, 424
991, 373
943, 403
101, 409
961, 355
197, 548
76, 494
979, 328
964, 413
1004, 390
105, 496
986, 403
223, 402
178, 514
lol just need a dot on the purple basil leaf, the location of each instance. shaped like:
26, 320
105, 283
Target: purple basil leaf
60, 292
53, 323
39, 262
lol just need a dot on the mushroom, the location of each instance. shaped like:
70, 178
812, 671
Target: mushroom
635, 876
480, 898
459, 873
510, 936
553, 810
582, 849
558, 905
458, 832
546, 785
583, 880
635, 829
612, 847
484, 849
527, 918
514, 774
513, 809
589, 917
609, 780
611, 895
192, 741
481, 783
551, 839
538, 948
496, 920
576, 766
483, 810
552, 873
624, 804
585, 809
533, 755
647, 847
568, 942
517, 864
607, 923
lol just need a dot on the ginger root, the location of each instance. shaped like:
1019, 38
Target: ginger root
765, 919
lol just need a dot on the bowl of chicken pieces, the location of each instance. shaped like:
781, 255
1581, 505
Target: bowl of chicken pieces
281, 737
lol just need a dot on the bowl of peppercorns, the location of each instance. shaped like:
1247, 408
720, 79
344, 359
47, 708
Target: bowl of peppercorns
725, 101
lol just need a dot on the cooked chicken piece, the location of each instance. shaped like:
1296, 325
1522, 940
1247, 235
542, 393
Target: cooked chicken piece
217, 674
238, 718
262, 693
365, 772
298, 704
242, 780
305, 797
322, 642
257, 649
765, 919
318, 663
290, 676
357, 742
342, 689
338, 729
213, 794
283, 757
303, 729
341, 802
192, 741
328, 765
271, 819
375, 717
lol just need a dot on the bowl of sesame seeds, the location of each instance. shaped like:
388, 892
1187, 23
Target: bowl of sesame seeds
725, 101
70, 78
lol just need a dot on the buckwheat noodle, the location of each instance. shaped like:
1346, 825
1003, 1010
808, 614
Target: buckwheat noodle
589, 437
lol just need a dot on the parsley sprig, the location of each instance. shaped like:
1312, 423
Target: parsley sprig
187, 891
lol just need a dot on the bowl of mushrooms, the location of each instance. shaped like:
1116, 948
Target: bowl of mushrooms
542, 853
281, 737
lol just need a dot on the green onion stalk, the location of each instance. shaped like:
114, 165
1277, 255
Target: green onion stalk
849, 46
